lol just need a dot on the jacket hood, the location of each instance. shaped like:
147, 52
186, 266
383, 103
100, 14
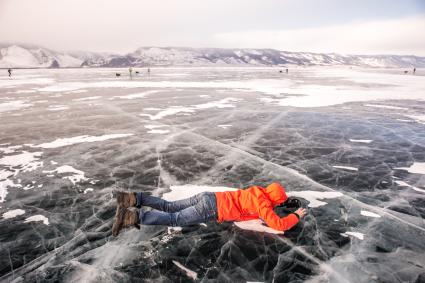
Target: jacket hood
276, 193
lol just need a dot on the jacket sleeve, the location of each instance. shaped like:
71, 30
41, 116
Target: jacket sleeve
273, 220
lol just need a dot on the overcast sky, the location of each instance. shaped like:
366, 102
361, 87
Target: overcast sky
351, 27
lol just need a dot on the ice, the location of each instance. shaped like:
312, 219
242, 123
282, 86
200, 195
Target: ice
358, 235
369, 214
314, 198
13, 213
345, 167
227, 128
80, 139
37, 218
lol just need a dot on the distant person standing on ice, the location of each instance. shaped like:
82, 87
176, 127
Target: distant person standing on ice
414, 70
149, 71
253, 203
130, 70
10, 72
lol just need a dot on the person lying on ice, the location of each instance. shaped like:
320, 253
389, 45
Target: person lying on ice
252, 203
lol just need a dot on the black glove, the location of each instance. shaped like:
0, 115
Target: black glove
293, 203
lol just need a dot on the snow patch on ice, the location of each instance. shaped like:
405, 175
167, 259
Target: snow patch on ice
314, 197
135, 95
153, 129
369, 214
416, 168
36, 218
345, 167
80, 139
57, 107
361, 141
358, 235
386, 106
189, 273
224, 126
223, 103
404, 184
75, 177
22, 162
417, 118
87, 98
14, 105
13, 213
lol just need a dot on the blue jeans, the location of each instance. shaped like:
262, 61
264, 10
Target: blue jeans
200, 208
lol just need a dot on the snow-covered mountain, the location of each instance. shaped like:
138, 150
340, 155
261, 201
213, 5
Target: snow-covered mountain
27, 56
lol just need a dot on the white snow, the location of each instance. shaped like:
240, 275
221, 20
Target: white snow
189, 273
13, 213
88, 190
157, 131
404, 184
57, 107
358, 235
345, 167
416, 168
25, 161
75, 177
80, 139
169, 111
369, 214
14, 105
36, 218
386, 106
10, 149
223, 103
417, 118
136, 95
361, 141
18, 81
314, 197
224, 126
257, 225
87, 98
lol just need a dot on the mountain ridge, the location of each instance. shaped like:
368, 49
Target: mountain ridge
33, 56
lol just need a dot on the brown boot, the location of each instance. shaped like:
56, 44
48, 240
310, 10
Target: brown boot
125, 218
125, 199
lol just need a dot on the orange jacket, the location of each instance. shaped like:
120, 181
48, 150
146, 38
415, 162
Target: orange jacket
253, 203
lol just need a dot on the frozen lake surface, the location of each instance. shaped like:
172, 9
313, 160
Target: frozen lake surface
349, 142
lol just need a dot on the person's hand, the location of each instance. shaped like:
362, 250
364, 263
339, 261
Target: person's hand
301, 212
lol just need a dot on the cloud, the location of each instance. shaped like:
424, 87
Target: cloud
398, 36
